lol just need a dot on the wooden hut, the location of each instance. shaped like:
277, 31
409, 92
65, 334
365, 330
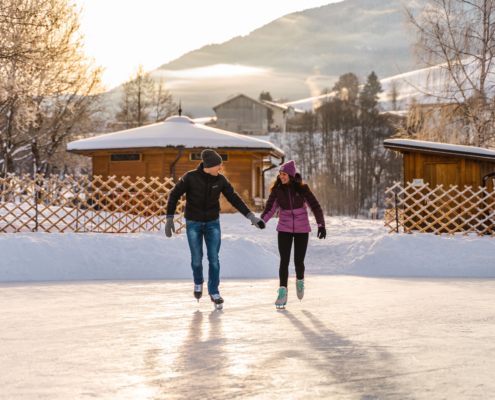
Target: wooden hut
447, 164
173, 147
452, 201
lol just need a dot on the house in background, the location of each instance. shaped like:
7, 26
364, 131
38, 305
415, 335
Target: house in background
242, 114
245, 115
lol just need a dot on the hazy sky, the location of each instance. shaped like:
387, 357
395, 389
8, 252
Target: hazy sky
120, 34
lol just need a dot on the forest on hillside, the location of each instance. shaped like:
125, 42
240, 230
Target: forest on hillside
339, 150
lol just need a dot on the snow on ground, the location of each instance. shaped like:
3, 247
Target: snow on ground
352, 247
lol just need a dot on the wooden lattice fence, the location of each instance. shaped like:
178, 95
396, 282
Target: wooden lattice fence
440, 210
54, 204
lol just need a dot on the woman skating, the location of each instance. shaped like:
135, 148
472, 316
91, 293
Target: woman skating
291, 195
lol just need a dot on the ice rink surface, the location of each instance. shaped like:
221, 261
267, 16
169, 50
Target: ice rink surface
350, 338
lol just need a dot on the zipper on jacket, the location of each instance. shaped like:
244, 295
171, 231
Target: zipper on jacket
206, 197
292, 211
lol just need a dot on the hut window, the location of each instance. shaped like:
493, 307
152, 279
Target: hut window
197, 157
125, 157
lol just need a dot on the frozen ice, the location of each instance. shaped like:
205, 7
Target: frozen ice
350, 338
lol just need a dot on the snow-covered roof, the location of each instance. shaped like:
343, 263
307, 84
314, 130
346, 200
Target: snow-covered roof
439, 148
173, 132
204, 120
310, 103
282, 106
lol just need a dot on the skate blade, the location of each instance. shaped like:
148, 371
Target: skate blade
218, 306
282, 307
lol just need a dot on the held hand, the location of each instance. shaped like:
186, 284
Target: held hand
257, 222
169, 226
322, 232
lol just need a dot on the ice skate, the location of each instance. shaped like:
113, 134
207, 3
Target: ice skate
217, 301
300, 288
282, 298
198, 291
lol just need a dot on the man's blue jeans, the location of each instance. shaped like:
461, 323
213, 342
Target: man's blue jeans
212, 235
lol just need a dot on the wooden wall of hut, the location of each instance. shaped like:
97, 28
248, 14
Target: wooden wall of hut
243, 169
446, 170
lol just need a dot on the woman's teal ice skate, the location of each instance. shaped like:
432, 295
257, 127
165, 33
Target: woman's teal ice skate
282, 298
300, 288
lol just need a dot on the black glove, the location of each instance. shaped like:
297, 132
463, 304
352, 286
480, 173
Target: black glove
261, 224
169, 226
322, 232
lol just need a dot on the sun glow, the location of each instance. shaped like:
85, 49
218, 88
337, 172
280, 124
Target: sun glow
120, 34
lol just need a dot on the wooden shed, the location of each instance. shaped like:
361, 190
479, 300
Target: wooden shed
441, 190
447, 164
173, 147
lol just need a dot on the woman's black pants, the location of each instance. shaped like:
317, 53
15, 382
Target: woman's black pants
284, 247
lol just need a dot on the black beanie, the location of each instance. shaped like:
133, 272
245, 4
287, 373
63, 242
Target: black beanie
210, 158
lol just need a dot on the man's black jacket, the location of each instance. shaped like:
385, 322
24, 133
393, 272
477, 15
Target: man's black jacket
203, 195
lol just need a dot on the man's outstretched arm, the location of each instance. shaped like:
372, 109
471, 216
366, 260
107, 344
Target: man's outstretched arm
234, 199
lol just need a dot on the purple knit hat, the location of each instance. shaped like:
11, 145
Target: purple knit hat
289, 168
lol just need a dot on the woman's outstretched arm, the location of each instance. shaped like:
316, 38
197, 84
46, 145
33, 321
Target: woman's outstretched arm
271, 207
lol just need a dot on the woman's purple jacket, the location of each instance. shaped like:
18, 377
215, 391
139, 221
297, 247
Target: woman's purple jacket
293, 216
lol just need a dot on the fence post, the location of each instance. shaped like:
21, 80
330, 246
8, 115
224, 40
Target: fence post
36, 205
397, 212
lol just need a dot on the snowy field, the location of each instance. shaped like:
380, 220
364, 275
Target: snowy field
352, 247
350, 338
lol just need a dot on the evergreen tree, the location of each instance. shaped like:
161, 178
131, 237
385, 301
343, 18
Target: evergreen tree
369, 94
265, 96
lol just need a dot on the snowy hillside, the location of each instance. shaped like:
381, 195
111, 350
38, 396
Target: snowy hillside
352, 247
293, 57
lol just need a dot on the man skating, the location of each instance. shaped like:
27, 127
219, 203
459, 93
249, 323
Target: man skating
202, 188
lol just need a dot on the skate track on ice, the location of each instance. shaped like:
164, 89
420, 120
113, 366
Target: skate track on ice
350, 338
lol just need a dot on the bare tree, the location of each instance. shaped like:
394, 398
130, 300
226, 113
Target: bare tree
393, 94
137, 99
455, 40
47, 83
163, 104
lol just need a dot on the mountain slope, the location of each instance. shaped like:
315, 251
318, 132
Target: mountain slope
354, 35
293, 57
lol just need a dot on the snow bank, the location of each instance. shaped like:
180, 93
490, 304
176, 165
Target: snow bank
427, 255
71, 256
352, 247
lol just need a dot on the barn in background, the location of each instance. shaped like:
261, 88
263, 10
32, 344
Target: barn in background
242, 114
